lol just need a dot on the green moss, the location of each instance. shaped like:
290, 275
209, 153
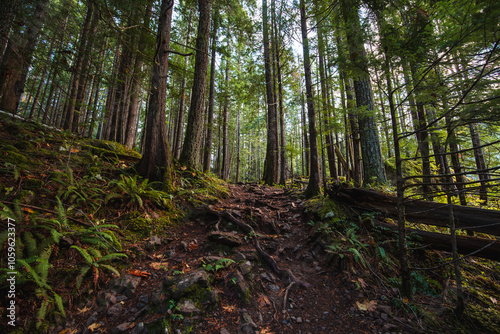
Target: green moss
109, 146
14, 158
7, 147
101, 152
325, 208
23, 145
485, 320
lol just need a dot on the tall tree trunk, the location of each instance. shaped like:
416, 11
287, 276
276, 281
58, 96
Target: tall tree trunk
77, 70
270, 175
133, 114
179, 127
84, 75
238, 143
305, 141
17, 60
313, 187
156, 160
282, 142
8, 8
225, 119
325, 103
193, 139
207, 159
373, 166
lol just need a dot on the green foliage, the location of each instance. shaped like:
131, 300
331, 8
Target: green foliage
129, 190
215, 266
96, 261
85, 192
39, 275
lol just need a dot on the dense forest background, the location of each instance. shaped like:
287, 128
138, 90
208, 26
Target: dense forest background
346, 90
400, 96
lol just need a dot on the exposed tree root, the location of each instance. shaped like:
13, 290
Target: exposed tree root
285, 275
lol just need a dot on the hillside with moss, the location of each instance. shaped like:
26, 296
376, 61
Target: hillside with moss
99, 249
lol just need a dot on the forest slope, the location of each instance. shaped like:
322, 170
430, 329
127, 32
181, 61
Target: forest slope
191, 265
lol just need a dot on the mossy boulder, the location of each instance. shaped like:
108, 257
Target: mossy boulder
191, 284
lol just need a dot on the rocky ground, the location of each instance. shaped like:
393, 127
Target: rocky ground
208, 277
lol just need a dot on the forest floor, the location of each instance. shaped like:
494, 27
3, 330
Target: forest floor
334, 301
207, 257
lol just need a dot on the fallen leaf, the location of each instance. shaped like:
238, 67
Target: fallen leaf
158, 265
362, 283
74, 150
493, 300
367, 305
139, 273
83, 310
94, 326
183, 167
27, 210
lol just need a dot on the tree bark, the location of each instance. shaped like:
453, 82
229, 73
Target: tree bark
179, 125
155, 163
207, 159
77, 69
192, 147
373, 167
17, 60
270, 175
313, 187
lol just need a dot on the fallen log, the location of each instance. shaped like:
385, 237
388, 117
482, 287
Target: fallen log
418, 211
484, 248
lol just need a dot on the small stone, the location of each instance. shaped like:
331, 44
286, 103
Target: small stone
224, 331
231, 239
274, 287
155, 240
245, 268
177, 287
138, 329
239, 257
299, 320
384, 316
187, 307
115, 309
127, 285
123, 328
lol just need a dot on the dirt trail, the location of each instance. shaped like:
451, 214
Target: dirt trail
327, 306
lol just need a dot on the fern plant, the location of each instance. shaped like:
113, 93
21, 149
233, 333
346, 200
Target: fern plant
86, 192
39, 275
129, 189
96, 261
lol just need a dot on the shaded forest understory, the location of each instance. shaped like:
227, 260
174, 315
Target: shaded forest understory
240, 167
208, 256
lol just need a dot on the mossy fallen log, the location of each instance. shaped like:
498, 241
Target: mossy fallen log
421, 212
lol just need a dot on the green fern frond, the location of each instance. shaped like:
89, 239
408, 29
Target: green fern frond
61, 213
111, 257
111, 268
88, 259
34, 275
81, 276
42, 313
30, 244
94, 252
59, 304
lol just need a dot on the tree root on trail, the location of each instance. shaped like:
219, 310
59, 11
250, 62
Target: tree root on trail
285, 275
